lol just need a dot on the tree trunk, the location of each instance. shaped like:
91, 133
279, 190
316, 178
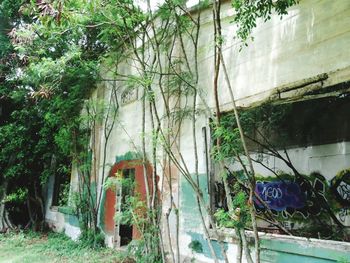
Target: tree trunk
5, 222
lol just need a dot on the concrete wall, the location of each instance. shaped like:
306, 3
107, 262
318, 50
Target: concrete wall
60, 219
312, 39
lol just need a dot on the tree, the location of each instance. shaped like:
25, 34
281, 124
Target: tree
59, 47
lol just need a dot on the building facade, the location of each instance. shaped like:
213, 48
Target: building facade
301, 60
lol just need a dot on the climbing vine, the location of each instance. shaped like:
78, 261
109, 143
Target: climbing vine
56, 54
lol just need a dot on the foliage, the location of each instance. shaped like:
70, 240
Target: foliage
43, 95
91, 238
134, 212
238, 218
19, 196
28, 246
53, 53
64, 195
248, 12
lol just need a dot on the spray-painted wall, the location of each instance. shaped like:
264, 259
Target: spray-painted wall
311, 40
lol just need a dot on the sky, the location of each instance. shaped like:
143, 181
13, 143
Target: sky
155, 3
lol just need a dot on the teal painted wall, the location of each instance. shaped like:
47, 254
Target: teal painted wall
189, 209
205, 245
290, 251
101, 213
69, 215
191, 219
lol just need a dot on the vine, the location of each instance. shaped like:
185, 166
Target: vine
64, 51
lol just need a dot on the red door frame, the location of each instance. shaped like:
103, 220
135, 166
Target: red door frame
140, 188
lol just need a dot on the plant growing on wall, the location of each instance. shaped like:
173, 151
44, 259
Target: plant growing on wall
62, 44
246, 18
269, 129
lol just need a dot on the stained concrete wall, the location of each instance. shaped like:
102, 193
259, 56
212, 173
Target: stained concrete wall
60, 219
312, 39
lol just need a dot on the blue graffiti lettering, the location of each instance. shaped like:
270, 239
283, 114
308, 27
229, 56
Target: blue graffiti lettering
280, 195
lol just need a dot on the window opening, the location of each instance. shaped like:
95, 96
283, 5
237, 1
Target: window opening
60, 189
313, 133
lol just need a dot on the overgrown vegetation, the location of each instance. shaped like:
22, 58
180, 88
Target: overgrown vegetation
52, 56
270, 130
37, 247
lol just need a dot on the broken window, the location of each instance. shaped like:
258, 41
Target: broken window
299, 152
60, 189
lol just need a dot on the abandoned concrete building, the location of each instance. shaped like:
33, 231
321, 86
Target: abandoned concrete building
300, 62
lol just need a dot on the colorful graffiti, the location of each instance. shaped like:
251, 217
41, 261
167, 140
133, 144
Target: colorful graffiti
280, 195
303, 196
343, 191
298, 197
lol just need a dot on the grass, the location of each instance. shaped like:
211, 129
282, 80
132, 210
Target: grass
52, 247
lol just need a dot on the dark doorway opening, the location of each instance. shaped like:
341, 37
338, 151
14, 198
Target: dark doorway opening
126, 229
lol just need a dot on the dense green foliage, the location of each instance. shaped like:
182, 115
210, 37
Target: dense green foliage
41, 98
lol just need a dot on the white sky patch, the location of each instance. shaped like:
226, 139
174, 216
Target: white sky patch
156, 3
191, 3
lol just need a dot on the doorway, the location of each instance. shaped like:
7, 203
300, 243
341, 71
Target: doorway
125, 190
122, 232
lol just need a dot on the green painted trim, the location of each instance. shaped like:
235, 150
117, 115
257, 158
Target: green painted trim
72, 220
129, 156
270, 256
280, 248
67, 210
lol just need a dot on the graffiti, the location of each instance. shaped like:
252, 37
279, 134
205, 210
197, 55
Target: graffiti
129, 95
299, 197
280, 195
341, 187
343, 213
303, 196
343, 191
285, 224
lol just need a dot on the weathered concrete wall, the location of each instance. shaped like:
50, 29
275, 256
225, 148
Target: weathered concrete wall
60, 219
327, 159
312, 39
